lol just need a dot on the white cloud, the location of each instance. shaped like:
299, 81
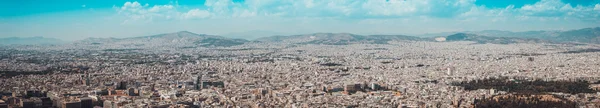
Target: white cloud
135, 12
461, 10
131, 5
304, 16
245, 13
546, 8
556, 9
160, 8
196, 13
220, 7
348, 8
544, 5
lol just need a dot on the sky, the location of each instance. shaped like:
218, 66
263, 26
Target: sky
80, 19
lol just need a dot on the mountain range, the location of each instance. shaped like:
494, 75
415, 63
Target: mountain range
338, 39
254, 34
189, 39
29, 41
585, 35
500, 33
182, 38
494, 40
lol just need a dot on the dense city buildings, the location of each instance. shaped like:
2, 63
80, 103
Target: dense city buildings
147, 72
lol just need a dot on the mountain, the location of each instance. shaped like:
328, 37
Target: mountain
182, 38
525, 34
500, 33
337, 39
251, 35
223, 42
29, 41
586, 35
461, 37
396, 38
432, 35
185, 39
316, 38
192, 38
495, 40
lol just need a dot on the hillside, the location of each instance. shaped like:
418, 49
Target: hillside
29, 41
338, 39
493, 40
183, 38
587, 35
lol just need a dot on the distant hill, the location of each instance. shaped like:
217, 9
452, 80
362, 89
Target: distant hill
251, 35
586, 35
461, 37
185, 39
385, 38
337, 39
207, 42
494, 40
500, 33
181, 38
30, 41
526, 34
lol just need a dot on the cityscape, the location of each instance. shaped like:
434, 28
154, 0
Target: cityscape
300, 54
185, 69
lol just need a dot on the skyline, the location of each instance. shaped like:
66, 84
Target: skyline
76, 20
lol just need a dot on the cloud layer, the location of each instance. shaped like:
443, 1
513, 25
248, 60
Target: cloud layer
358, 9
221, 17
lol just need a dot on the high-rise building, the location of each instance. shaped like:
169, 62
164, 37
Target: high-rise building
33, 93
72, 104
132, 92
374, 86
198, 83
87, 80
27, 104
122, 85
86, 102
449, 71
152, 87
46, 102
3, 105
351, 88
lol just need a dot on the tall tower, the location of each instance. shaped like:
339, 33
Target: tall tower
87, 79
449, 71
81, 79
198, 83
152, 87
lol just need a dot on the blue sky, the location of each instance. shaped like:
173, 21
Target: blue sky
80, 19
